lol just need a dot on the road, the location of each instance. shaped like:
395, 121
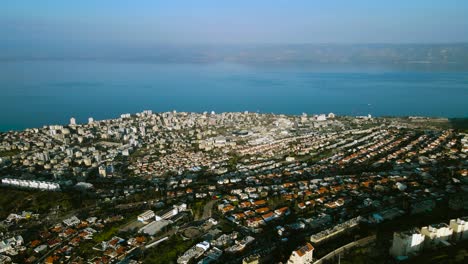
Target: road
63, 243
334, 253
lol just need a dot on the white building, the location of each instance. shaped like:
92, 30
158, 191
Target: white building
321, 117
369, 116
194, 252
72, 221
167, 214
437, 234
303, 255
72, 121
219, 141
154, 227
407, 243
11, 243
40, 248
5, 259
205, 245
400, 186
51, 186
460, 228
102, 171
126, 152
90, 120
146, 216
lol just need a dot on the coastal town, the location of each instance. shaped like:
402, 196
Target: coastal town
180, 187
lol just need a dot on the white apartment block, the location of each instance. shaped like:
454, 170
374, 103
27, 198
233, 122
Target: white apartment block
460, 228
303, 255
437, 234
407, 243
42, 185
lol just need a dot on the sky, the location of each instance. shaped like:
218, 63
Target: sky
56, 24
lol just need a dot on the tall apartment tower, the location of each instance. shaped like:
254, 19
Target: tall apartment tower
407, 243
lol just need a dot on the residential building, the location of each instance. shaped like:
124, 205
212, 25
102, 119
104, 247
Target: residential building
437, 234
72, 221
460, 228
407, 243
303, 255
252, 259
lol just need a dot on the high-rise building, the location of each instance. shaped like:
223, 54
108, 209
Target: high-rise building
90, 120
460, 228
407, 243
437, 234
72, 121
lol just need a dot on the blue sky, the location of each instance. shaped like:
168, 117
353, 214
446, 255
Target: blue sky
58, 23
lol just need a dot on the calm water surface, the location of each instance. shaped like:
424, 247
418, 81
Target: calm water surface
35, 93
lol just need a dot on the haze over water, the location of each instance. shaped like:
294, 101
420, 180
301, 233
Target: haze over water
37, 93
62, 59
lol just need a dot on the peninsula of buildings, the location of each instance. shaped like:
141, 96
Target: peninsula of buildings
242, 187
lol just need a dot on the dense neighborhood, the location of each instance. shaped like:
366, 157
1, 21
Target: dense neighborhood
231, 187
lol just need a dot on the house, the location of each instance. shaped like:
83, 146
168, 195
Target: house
282, 211
252, 259
245, 204
268, 216
301, 206
249, 213
262, 210
260, 203
72, 221
227, 208
40, 248
254, 222
238, 216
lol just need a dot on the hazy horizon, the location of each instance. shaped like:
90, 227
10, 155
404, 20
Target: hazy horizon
253, 55
43, 27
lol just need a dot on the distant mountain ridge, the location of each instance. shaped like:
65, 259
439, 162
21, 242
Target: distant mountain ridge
430, 56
